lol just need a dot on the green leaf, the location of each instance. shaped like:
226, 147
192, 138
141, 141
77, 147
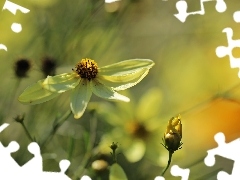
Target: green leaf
61, 83
36, 94
80, 98
105, 92
117, 173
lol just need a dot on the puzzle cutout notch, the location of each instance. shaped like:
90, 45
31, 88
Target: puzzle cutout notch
227, 150
177, 171
32, 169
222, 51
182, 7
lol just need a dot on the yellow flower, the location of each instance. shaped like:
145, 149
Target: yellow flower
86, 79
135, 126
173, 135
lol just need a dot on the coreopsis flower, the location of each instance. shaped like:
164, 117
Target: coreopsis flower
135, 126
173, 135
87, 78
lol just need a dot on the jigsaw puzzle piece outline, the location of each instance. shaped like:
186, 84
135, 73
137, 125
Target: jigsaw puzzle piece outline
177, 171
182, 7
35, 164
9, 163
227, 150
236, 16
64, 165
222, 51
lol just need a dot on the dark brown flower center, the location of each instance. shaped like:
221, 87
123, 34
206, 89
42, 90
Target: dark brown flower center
86, 68
137, 129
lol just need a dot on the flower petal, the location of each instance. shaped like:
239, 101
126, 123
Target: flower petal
122, 82
105, 92
126, 67
80, 98
124, 74
135, 151
61, 83
145, 109
36, 94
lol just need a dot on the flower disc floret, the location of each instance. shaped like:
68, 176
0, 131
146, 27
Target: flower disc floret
87, 69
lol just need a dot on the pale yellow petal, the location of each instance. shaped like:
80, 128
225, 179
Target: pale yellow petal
61, 83
36, 94
124, 74
105, 92
80, 98
135, 151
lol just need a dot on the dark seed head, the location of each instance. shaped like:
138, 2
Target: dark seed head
21, 68
49, 66
86, 68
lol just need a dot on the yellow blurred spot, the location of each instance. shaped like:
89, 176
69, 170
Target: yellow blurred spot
236, 52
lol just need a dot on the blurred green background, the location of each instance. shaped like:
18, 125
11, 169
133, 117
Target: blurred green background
188, 78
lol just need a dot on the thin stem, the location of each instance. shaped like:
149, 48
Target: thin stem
114, 157
169, 162
12, 94
114, 147
56, 125
27, 132
88, 154
71, 148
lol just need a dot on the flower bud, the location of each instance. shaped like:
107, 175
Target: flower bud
174, 126
19, 118
172, 141
173, 134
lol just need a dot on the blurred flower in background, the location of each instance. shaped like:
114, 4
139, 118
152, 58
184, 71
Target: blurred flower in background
136, 126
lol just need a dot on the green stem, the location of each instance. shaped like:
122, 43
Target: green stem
88, 154
114, 157
71, 148
12, 95
169, 162
27, 132
56, 125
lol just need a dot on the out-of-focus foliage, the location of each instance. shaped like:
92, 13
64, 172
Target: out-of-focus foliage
191, 79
